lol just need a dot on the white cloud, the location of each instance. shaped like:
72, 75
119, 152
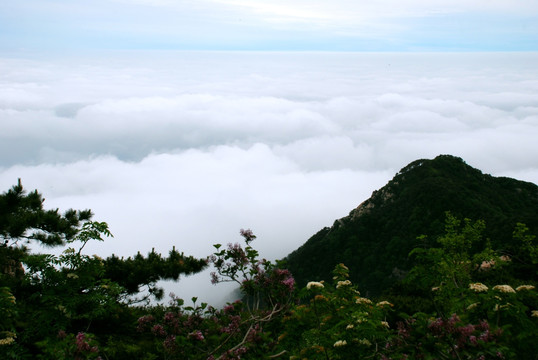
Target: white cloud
184, 149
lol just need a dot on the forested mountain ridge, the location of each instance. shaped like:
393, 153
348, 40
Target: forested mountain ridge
374, 240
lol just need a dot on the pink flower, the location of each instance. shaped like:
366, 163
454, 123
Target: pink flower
169, 316
170, 343
232, 327
247, 234
473, 340
144, 321
214, 278
197, 335
82, 345
158, 330
290, 283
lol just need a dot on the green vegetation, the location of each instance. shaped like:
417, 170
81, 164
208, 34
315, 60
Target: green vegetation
464, 293
49, 300
376, 238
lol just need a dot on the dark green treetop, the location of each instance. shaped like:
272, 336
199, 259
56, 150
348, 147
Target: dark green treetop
374, 240
23, 219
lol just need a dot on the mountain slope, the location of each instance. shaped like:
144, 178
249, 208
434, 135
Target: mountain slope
374, 240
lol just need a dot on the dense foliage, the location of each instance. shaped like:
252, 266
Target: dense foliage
462, 297
52, 303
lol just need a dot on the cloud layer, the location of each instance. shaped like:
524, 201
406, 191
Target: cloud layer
184, 149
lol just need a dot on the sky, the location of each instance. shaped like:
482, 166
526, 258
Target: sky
315, 25
181, 122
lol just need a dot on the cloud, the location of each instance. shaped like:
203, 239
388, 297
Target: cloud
185, 148
193, 199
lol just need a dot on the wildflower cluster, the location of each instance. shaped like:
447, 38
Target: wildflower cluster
340, 343
504, 288
314, 284
337, 323
238, 330
343, 283
83, 344
525, 288
444, 338
201, 331
9, 338
262, 280
71, 346
478, 287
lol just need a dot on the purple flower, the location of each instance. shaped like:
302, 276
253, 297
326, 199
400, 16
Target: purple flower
169, 316
158, 330
82, 345
290, 283
247, 234
485, 336
197, 335
214, 278
144, 321
473, 340
232, 327
170, 343
484, 325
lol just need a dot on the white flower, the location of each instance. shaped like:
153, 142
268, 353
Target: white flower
343, 283
316, 284
534, 313
350, 326
340, 343
525, 287
486, 265
478, 287
472, 306
7, 341
362, 300
383, 303
504, 288
385, 324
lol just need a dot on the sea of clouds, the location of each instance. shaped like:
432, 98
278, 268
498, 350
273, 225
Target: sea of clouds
185, 148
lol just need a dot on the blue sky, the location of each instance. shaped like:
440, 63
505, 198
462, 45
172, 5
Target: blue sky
340, 25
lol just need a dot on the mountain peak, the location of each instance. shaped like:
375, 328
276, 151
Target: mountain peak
376, 237
442, 165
